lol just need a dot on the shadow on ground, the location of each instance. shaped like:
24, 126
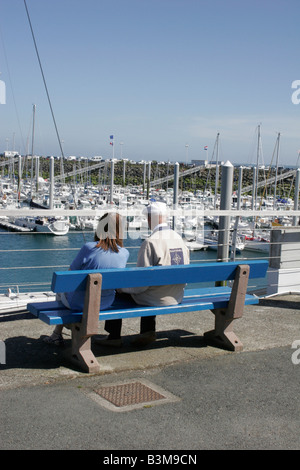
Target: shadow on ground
23, 352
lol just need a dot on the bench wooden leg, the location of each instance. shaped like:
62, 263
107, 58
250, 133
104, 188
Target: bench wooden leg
223, 334
82, 354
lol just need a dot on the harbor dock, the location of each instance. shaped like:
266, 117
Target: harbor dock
13, 227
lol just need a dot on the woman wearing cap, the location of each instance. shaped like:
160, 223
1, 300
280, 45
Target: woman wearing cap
106, 251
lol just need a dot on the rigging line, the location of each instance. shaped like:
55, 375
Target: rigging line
44, 80
48, 96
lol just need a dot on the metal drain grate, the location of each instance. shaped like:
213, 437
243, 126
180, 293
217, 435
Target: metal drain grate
130, 395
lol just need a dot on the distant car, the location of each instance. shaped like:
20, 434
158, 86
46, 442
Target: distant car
96, 158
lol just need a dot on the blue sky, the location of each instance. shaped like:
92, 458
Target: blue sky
157, 74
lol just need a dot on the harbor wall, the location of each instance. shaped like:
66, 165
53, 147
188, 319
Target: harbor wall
284, 268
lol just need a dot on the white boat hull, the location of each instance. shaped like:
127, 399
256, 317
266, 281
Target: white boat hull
195, 246
52, 227
17, 302
260, 246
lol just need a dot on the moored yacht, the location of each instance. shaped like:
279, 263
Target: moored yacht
48, 225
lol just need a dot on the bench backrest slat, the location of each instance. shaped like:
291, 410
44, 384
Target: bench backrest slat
68, 281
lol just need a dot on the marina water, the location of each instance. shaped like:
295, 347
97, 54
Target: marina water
28, 260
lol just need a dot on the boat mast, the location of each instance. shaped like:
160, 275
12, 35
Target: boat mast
217, 171
257, 163
276, 170
32, 146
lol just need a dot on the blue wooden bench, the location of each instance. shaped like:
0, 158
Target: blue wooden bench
226, 303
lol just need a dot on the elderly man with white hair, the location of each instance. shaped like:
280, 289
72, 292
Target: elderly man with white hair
164, 247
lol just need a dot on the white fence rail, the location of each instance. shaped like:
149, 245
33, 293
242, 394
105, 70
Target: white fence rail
28, 260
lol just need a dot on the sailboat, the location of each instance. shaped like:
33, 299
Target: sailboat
211, 241
260, 241
48, 225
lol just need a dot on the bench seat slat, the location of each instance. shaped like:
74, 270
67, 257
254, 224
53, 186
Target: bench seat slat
187, 305
60, 317
206, 291
37, 307
194, 300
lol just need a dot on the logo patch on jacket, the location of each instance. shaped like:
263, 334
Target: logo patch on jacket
176, 256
